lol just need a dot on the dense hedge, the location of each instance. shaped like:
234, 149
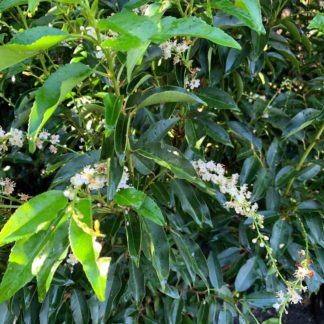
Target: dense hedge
161, 161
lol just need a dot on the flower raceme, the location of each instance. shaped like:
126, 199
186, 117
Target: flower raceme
239, 201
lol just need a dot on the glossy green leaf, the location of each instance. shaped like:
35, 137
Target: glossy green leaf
194, 27
261, 184
130, 197
134, 56
317, 23
157, 130
51, 94
29, 43
113, 106
24, 261
79, 307
215, 272
261, 299
251, 18
120, 136
164, 94
249, 170
159, 249
144, 205
136, 283
33, 216
134, 237
217, 98
253, 9
87, 251
33, 4
134, 29
284, 175
217, 133
300, 121
246, 275
49, 258
281, 236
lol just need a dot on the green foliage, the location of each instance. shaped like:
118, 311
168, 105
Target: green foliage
112, 116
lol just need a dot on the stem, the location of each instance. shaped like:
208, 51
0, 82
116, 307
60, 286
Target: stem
10, 206
304, 157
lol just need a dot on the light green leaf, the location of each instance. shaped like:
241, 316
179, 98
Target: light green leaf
130, 197
141, 203
33, 4
194, 27
113, 106
22, 257
33, 216
317, 22
162, 95
250, 16
51, 94
246, 275
253, 9
29, 43
86, 250
49, 258
150, 210
134, 56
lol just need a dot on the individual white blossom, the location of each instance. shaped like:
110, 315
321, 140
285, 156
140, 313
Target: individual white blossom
166, 48
16, 137
24, 197
2, 133
53, 149
72, 260
55, 139
44, 135
69, 194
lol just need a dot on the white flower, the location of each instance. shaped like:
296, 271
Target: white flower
91, 31
301, 273
294, 297
44, 135
3, 148
55, 139
99, 52
72, 260
16, 137
8, 186
195, 83
69, 194
166, 50
78, 180
276, 306
53, 149
97, 182
39, 143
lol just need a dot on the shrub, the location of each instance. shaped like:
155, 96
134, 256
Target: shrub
160, 160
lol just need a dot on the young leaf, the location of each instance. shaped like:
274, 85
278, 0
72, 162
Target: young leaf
150, 210
51, 94
29, 43
86, 250
33, 216
317, 23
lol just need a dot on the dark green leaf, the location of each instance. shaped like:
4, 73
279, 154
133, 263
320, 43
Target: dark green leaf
246, 275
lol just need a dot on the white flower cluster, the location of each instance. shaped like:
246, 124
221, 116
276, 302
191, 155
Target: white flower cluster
240, 195
14, 137
192, 84
292, 295
174, 47
8, 186
94, 178
45, 136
